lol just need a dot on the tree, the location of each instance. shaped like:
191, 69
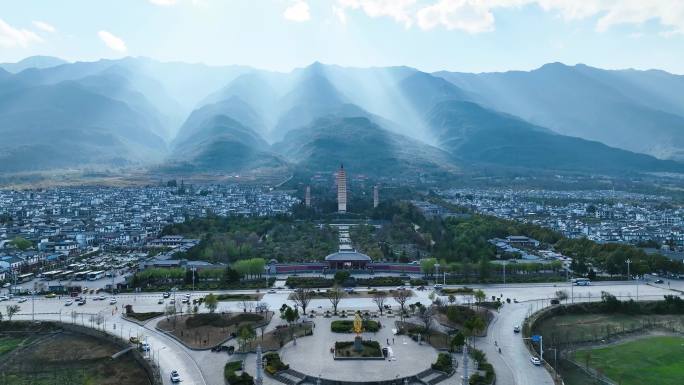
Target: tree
302, 297
342, 276
379, 297
21, 243
11, 310
289, 314
562, 295
425, 313
458, 341
452, 299
211, 302
474, 325
335, 295
401, 297
246, 306
427, 266
245, 335
479, 296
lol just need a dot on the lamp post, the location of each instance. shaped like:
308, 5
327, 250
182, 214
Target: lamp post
504, 272
555, 361
629, 262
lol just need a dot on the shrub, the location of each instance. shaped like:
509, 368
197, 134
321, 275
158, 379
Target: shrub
274, 364
232, 378
443, 363
347, 326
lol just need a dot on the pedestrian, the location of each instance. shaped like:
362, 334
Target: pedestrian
388, 341
392, 340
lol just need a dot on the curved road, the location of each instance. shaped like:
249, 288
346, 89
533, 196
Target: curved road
512, 365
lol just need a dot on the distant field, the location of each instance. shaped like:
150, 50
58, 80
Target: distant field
654, 360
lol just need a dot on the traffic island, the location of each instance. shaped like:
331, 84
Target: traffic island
358, 350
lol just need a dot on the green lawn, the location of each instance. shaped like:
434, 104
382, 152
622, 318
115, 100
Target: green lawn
8, 344
647, 361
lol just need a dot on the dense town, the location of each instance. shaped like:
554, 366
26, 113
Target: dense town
41, 226
602, 215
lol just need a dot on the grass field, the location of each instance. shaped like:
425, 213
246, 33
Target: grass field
8, 344
592, 327
653, 360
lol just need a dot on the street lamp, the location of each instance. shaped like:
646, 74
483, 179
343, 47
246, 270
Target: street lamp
629, 262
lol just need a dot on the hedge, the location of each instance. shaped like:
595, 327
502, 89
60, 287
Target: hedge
232, 378
443, 363
347, 326
274, 364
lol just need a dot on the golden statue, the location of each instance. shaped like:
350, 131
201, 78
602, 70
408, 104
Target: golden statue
358, 324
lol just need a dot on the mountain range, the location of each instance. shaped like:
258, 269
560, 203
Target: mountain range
181, 118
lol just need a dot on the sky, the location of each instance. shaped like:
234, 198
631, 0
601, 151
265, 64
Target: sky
431, 35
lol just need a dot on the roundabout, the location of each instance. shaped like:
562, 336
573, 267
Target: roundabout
313, 355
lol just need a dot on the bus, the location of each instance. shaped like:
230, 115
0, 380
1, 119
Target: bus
95, 275
81, 275
50, 275
66, 274
24, 277
581, 281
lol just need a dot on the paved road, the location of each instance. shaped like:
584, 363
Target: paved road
512, 365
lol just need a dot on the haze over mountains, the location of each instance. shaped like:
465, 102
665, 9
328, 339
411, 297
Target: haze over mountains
193, 118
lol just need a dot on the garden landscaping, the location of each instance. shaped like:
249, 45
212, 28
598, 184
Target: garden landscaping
369, 350
205, 330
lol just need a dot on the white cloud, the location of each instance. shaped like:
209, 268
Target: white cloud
44, 26
15, 37
163, 3
475, 16
471, 16
340, 14
299, 11
112, 41
399, 10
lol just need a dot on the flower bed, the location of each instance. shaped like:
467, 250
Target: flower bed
347, 326
370, 350
274, 364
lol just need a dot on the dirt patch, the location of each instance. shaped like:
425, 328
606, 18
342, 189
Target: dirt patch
203, 331
67, 358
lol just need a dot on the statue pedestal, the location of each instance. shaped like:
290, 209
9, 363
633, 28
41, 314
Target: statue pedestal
357, 343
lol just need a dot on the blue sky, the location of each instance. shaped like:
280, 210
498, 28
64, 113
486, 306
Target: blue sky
458, 35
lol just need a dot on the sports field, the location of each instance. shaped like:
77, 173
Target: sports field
652, 360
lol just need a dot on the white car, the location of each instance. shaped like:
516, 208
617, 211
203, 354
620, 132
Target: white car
535, 360
516, 329
4, 298
112, 301
175, 377
22, 300
69, 302
272, 291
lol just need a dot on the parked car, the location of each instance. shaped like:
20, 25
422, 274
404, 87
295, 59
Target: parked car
516, 329
69, 302
175, 377
22, 300
112, 301
658, 281
535, 360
